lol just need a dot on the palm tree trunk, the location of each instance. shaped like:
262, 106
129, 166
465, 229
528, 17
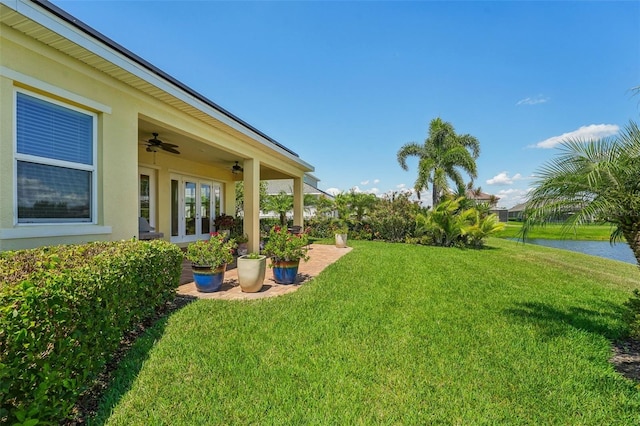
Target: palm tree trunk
436, 195
632, 235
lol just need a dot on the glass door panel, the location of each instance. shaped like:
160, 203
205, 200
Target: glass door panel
205, 208
175, 208
145, 195
190, 208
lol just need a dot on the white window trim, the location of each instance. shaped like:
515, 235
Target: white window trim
54, 162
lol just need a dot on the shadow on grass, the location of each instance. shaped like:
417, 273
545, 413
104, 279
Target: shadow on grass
552, 321
96, 405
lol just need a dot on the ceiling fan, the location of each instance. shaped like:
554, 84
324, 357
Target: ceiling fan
236, 168
154, 144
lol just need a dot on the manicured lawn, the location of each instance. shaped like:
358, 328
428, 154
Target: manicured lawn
397, 334
556, 232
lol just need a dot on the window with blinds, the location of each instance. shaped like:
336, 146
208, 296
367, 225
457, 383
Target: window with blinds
55, 161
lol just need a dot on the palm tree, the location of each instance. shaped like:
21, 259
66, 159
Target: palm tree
280, 203
443, 156
592, 180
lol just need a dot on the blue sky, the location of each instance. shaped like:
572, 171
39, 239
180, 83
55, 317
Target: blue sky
346, 84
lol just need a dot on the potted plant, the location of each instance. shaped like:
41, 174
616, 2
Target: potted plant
224, 223
242, 241
209, 261
285, 251
251, 271
340, 233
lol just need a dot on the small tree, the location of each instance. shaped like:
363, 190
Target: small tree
281, 203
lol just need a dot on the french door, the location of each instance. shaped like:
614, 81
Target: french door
147, 194
194, 205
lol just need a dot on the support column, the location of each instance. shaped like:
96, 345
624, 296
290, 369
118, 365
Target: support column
251, 177
298, 201
229, 205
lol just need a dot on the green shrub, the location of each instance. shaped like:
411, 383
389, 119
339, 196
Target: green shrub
393, 217
632, 314
319, 227
63, 312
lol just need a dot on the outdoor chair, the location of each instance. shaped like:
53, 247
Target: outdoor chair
295, 230
146, 231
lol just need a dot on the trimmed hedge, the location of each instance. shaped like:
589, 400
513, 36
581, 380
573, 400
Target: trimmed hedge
63, 312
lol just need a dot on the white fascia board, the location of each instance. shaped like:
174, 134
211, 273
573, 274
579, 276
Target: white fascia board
55, 24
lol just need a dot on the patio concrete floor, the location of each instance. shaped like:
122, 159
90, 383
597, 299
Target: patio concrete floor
320, 256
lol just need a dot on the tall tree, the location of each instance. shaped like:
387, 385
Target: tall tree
594, 179
443, 156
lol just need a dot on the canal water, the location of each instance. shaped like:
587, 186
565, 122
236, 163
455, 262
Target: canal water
618, 251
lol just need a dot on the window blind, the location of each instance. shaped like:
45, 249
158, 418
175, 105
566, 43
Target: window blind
45, 129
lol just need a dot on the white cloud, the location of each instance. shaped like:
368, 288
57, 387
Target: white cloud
503, 178
401, 186
539, 99
364, 182
592, 131
510, 197
376, 181
332, 191
373, 191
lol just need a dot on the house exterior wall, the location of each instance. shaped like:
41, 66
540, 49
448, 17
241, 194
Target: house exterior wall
29, 64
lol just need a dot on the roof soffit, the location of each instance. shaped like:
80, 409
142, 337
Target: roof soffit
76, 44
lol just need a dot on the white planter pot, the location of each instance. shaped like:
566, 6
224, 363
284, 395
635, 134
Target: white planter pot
251, 273
341, 240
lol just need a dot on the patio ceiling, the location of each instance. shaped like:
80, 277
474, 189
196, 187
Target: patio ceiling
194, 149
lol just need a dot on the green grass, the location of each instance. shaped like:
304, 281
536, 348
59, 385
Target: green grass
555, 231
397, 334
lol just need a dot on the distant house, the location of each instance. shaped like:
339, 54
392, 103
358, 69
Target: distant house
481, 197
310, 188
516, 212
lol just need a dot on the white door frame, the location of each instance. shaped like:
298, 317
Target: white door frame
191, 212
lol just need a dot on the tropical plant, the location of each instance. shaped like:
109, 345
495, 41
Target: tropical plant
280, 203
284, 246
324, 206
360, 204
214, 253
591, 180
480, 226
449, 224
443, 224
443, 156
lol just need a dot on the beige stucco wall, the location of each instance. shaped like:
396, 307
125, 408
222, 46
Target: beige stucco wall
27, 63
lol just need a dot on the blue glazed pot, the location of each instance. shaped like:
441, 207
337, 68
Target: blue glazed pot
285, 272
208, 280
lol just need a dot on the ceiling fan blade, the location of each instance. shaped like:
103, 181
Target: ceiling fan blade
169, 149
171, 145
